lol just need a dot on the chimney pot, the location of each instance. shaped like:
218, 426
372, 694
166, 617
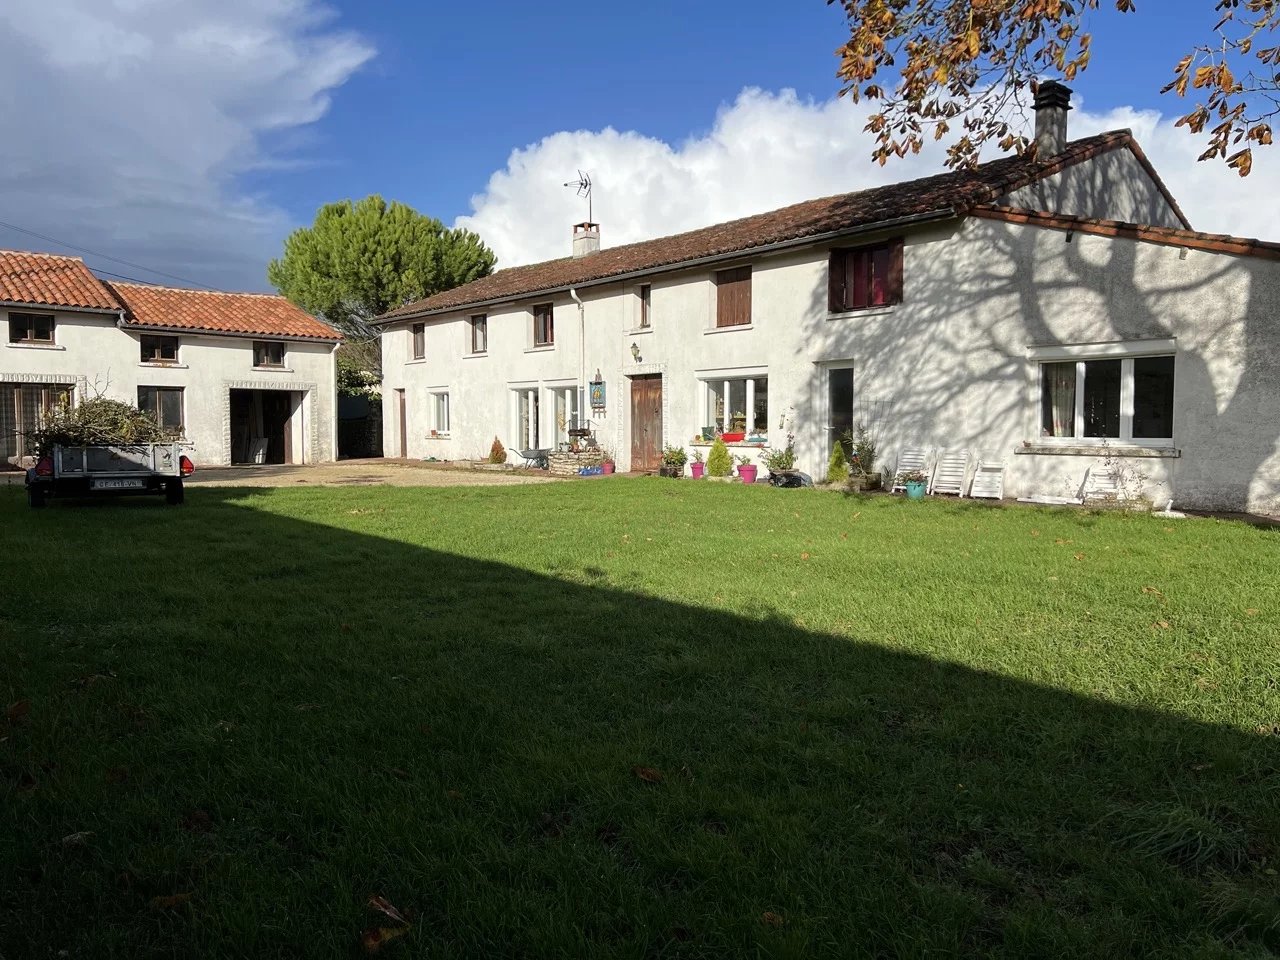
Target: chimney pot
1053, 100
586, 239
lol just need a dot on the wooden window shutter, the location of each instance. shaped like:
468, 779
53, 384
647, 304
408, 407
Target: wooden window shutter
836, 281
895, 271
733, 297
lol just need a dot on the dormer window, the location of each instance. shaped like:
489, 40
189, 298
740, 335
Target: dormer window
159, 349
268, 353
31, 328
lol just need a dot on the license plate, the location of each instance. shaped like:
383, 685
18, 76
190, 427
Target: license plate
117, 485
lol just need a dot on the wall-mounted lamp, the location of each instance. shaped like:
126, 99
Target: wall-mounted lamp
635, 352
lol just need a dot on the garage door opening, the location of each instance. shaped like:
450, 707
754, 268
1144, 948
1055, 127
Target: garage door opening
266, 426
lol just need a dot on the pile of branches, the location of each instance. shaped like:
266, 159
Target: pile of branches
96, 421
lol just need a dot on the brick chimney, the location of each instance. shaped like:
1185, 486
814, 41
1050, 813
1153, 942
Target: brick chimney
586, 239
1053, 100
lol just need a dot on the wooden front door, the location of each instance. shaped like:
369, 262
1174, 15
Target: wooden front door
646, 422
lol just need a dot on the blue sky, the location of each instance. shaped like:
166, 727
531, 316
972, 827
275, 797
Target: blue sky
189, 136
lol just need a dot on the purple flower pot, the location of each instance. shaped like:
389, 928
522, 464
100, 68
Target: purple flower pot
697, 469
748, 472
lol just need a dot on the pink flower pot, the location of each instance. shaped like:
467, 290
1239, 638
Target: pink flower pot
607, 467
697, 469
748, 472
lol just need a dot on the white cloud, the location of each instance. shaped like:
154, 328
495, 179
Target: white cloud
127, 123
767, 150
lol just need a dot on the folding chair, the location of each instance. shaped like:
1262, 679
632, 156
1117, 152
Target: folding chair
988, 480
910, 459
951, 473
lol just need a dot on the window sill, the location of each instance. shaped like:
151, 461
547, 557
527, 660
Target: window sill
273, 369
415, 361
737, 327
163, 366
35, 346
438, 436
637, 332
541, 348
883, 311
1098, 450
475, 356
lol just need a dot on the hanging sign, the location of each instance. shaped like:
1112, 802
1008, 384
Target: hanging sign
597, 395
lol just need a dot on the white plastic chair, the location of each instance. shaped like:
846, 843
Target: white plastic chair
988, 480
951, 473
909, 459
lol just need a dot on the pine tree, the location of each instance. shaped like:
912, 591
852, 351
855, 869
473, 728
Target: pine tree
719, 463
837, 466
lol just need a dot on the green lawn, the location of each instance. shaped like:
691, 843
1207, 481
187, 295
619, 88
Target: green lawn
877, 728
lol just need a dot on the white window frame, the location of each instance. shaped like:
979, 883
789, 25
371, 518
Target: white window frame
441, 424
554, 393
527, 439
709, 378
644, 308
1080, 354
472, 325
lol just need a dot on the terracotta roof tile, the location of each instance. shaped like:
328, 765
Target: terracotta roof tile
49, 280
954, 191
254, 314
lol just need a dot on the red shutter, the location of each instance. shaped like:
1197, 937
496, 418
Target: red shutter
836, 285
860, 282
895, 271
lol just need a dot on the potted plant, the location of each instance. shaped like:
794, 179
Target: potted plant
781, 461
864, 459
747, 469
719, 463
673, 461
697, 468
607, 463
915, 482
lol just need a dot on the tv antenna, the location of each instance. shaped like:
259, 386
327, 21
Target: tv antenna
583, 189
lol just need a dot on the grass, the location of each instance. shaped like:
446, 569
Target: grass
634, 718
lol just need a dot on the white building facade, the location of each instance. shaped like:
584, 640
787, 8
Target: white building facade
1015, 313
263, 391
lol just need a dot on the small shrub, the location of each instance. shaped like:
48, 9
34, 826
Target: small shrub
864, 449
674, 457
719, 463
497, 452
837, 466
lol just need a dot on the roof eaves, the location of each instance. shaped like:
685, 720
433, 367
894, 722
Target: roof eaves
241, 334
944, 213
1166, 236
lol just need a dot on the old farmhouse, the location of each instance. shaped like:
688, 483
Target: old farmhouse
1047, 313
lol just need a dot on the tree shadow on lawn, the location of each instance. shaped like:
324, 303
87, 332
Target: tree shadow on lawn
282, 718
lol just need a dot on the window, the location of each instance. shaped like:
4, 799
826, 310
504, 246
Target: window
440, 412
646, 299
268, 353
746, 402
544, 325
31, 328
159, 349
480, 333
527, 416
865, 277
24, 408
165, 404
733, 297
566, 407
1126, 399
419, 341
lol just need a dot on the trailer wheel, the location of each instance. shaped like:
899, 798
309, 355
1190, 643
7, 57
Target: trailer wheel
173, 493
35, 497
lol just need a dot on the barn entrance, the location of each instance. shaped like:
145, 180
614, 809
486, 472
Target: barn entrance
264, 426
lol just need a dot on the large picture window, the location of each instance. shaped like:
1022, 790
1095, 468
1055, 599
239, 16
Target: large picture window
1129, 399
738, 405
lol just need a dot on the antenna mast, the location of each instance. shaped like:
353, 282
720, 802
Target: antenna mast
583, 189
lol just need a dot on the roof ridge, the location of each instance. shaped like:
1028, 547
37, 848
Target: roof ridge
950, 191
138, 285
41, 253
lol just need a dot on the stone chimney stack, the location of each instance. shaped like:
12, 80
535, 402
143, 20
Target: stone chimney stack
586, 239
1053, 100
